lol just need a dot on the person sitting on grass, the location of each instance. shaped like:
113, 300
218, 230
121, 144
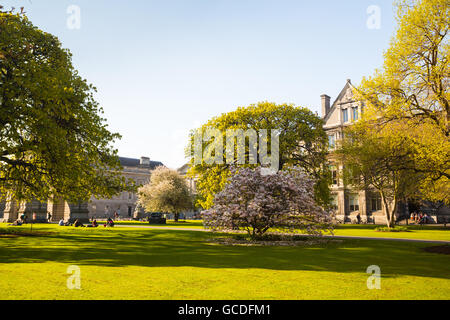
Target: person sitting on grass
94, 224
23, 218
77, 224
109, 223
16, 223
61, 223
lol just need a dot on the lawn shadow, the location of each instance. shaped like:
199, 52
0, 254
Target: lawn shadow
164, 248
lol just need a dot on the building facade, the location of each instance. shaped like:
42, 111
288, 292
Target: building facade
348, 201
124, 204
192, 186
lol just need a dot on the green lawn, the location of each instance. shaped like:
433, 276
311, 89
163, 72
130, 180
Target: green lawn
131, 263
198, 224
429, 232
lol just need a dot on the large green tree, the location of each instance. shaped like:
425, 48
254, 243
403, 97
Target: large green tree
412, 89
375, 160
302, 143
53, 139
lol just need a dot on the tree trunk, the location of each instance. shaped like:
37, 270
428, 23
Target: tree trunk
389, 210
393, 211
386, 210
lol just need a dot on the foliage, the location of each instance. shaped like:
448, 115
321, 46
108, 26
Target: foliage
374, 159
170, 264
412, 90
166, 192
257, 202
393, 229
53, 140
303, 143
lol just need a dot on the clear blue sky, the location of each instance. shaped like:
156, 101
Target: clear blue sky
164, 67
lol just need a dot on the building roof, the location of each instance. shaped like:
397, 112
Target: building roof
184, 169
341, 94
131, 162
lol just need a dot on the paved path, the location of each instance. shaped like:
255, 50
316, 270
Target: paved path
330, 237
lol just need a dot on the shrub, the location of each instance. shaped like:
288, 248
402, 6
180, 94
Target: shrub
393, 229
256, 202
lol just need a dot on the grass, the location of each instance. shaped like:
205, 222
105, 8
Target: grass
416, 232
133, 263
198, 224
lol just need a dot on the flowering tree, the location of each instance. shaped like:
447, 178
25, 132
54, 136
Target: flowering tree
257, 202
167, 192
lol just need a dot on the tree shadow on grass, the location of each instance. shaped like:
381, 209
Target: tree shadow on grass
163, 248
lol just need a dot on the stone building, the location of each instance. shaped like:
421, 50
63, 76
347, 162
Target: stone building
192, 185
124, 204
347, 200
191, 182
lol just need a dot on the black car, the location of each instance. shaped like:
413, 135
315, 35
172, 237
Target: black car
157, 218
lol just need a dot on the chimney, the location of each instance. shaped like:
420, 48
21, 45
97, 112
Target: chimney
145, 161
325, 105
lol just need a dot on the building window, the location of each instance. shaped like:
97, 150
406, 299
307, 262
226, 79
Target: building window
345, 115
334, 175
375, 203
353, 201
355, 113
331, 141
334, 202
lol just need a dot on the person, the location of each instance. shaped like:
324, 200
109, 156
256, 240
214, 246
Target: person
116, 215
358, 217
94, 224
109, 223
49, 217
23, 217
421, 218
17, 223
77, 224
61, 223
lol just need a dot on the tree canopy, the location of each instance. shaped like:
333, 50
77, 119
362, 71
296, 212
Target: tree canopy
374, 160
166, 192
256, 202
302, 142
53, 139
409, 97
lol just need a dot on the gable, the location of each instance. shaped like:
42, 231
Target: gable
346, 95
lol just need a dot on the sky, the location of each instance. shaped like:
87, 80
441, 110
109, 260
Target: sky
165, 67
